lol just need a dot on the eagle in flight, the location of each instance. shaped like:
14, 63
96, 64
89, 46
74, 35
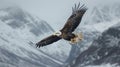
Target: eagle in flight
66, 32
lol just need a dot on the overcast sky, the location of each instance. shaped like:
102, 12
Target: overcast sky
55, 12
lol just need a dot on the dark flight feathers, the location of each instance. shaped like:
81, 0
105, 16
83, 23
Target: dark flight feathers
48, 41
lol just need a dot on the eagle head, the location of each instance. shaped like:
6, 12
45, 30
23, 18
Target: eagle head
58, 33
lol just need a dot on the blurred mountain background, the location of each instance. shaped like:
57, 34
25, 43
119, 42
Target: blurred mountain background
20, 30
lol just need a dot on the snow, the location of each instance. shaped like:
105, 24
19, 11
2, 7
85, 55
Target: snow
3, 13
17, 40
21, 42
104, 65
101, 27
97, 20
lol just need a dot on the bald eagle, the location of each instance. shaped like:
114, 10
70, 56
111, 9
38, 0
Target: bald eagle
66, 32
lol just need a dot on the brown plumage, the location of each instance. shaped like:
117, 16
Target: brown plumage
67, 31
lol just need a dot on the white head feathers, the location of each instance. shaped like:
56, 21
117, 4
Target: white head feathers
58, 33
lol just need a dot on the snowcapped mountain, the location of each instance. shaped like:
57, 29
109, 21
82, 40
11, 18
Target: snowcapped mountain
104, 50
97, 20
19, 31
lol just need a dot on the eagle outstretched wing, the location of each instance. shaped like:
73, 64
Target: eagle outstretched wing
74, 20
48, 40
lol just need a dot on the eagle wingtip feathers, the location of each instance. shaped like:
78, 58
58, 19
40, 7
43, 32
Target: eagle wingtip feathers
78, 8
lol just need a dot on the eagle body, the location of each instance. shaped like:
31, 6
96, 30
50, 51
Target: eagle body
67, 36
66, 32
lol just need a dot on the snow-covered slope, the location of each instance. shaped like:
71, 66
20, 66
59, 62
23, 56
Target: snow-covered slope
19, 31
104, 50
96, 20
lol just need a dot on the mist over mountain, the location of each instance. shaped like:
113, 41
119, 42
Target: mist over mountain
19, 31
